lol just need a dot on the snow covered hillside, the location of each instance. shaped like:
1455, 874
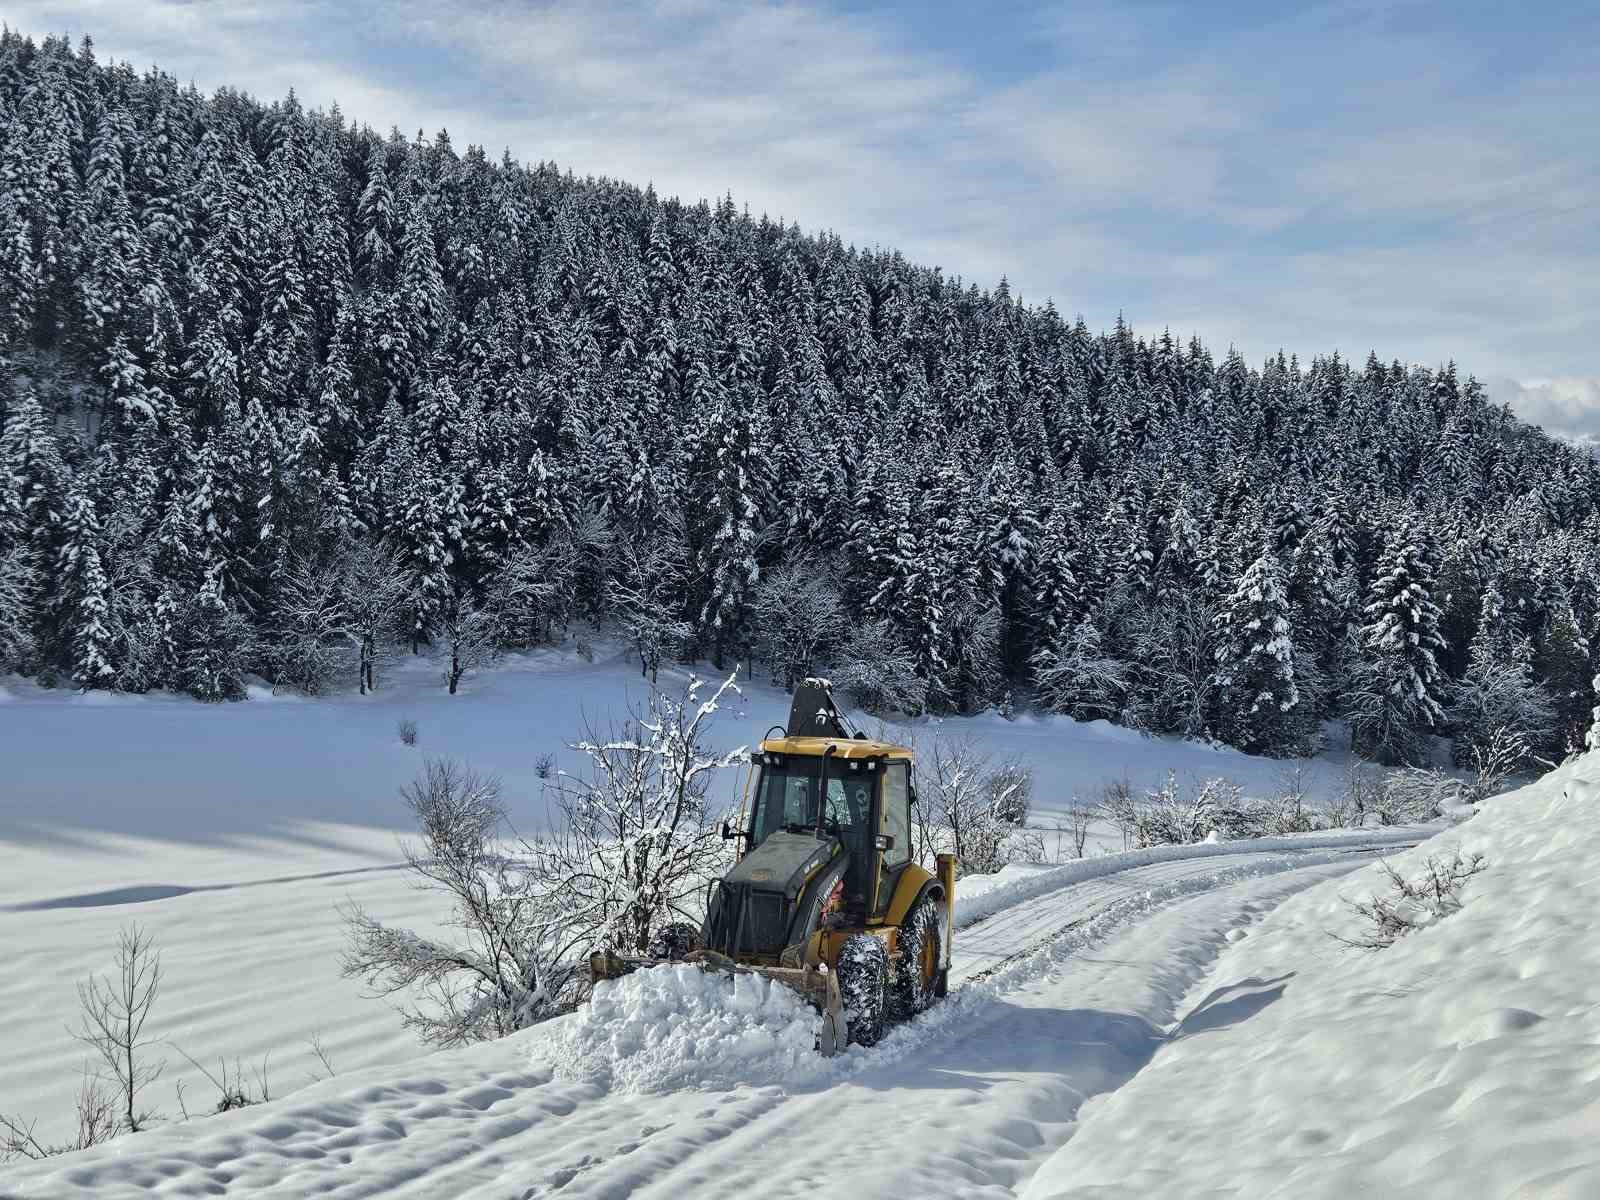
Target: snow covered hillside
1173, 1029
232, 832
1464, 1061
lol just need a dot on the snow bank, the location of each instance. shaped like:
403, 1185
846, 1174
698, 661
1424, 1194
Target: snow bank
674, 1027
995, 893
1463, 1061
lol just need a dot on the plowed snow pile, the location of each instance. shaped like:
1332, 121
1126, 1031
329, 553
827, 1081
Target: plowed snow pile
1463, 1061
680, 1027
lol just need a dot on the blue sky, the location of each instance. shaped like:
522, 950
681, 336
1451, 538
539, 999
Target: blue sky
1414, 178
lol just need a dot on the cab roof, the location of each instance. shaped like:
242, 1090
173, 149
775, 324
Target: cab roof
845, 748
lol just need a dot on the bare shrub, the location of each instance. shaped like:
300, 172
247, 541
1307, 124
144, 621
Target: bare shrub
511, 967
1414, 794
1074, 830
234, 1088
114, 1011
638, 840
407, 729
545, 766
1414, 903
975, 811
96, 1112
325, 1059
1174, 816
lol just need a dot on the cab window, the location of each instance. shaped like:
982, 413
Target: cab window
896, 822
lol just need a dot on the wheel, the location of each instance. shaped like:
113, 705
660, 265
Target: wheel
675, 941
864, 987
918, 967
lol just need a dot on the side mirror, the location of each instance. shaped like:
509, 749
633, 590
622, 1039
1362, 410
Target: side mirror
729, 833
884, 841
912, 792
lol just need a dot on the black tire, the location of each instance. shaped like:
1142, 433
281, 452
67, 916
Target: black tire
864, 987
914, 986
675, 941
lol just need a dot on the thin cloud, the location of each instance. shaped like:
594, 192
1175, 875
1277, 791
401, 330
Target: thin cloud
1567, 408
1344, 176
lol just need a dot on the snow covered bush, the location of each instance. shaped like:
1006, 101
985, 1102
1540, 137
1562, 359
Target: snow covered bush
799, 620
645, 591
407, 729
1415, 794
1080, 679
514, 962
878, 673
973, 810
1414, 904
1174, 816
637, 840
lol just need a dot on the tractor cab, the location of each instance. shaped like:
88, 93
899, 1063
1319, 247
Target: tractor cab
824, 895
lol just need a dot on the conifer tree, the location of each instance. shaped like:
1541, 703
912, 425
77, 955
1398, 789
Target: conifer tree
1395, 700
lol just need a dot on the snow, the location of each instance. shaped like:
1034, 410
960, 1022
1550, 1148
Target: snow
680, 1027
232, 832
1463, 1061
972, 1096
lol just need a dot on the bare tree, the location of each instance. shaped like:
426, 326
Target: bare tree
512, 966
645, 590
374, 594
314, 617
115, 1010
638, 839
973, 810
1081, 816
470, 631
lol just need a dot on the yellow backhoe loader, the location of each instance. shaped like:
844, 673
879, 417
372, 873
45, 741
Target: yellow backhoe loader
825, 896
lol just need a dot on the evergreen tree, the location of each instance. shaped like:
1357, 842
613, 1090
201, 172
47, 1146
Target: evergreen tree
1398, 686
1260, 701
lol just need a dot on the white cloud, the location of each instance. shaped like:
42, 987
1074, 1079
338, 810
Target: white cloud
1568, 408
1316, 181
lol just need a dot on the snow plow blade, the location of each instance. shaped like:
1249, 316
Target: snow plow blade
818, 985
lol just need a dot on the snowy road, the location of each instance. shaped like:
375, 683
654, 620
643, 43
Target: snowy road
1079, 988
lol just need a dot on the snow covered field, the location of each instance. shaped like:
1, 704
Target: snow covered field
233, 831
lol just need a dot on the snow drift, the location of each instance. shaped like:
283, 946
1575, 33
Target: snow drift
1463, 1061
678, 1026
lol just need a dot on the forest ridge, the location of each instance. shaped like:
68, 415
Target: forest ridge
281, 395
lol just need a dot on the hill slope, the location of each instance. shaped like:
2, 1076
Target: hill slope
271, 384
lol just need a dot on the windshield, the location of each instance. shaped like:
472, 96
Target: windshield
786, 797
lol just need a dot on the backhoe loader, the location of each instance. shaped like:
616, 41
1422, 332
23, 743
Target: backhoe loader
824, 896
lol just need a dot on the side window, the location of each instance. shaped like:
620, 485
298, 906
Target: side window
897, 815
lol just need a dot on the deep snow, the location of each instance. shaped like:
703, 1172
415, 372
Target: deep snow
1462, 1062
233, 831
966, 1101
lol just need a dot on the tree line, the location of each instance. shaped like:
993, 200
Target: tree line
279, 394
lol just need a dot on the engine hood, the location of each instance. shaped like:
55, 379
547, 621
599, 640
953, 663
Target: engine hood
783, 863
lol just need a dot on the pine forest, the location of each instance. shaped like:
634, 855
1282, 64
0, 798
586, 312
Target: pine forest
285, 397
